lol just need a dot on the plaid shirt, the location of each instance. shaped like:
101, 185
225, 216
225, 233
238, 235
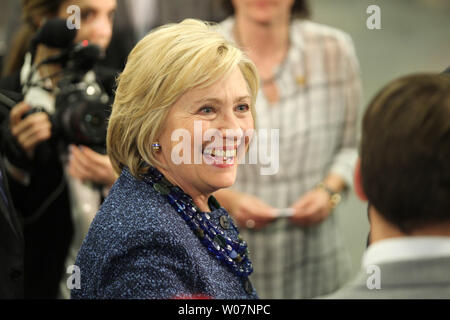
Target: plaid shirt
320, 94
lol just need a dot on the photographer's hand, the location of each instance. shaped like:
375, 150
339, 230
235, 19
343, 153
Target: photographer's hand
86, 164
32, 130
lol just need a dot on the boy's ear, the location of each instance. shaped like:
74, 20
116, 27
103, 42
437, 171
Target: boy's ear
357, 181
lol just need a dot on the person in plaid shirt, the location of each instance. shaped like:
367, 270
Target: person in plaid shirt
311, 92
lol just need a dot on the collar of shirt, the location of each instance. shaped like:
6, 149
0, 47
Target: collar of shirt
406, 248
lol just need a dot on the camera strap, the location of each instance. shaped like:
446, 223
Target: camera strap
35, 96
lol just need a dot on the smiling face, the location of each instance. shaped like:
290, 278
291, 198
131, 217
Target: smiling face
97, 17
220, 108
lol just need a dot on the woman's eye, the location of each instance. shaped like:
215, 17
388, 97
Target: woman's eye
88, 14
242, 108
206, 110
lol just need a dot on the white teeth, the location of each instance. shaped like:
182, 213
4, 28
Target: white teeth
230, 153
221, 153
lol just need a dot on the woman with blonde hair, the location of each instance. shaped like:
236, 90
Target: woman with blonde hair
160, 233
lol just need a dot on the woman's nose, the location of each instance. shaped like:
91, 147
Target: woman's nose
229, 120
230, 126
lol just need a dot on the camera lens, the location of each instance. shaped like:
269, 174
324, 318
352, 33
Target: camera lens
93, 120
82, 116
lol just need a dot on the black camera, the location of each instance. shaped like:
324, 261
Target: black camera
80, 114
81, 104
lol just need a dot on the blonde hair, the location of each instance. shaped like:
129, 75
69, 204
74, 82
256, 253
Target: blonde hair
164, 65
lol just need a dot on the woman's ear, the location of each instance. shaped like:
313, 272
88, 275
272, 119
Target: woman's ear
357, 181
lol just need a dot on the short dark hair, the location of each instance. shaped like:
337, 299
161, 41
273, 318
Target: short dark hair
405, 151
300, 9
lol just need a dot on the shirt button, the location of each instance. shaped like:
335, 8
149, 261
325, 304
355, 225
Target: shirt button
224, 222
248, 286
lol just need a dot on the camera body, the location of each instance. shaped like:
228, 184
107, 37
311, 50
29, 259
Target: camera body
81, 103
81, 114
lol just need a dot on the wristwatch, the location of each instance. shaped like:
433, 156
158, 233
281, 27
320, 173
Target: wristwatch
335, 197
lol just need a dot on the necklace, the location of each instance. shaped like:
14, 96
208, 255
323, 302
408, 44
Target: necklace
233, 253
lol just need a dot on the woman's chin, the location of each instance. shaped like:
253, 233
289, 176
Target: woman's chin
221, 178
263, 16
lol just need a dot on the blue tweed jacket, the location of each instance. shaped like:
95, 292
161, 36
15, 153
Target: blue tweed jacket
139, 247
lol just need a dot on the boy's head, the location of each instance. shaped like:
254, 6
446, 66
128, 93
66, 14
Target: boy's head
405, 152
